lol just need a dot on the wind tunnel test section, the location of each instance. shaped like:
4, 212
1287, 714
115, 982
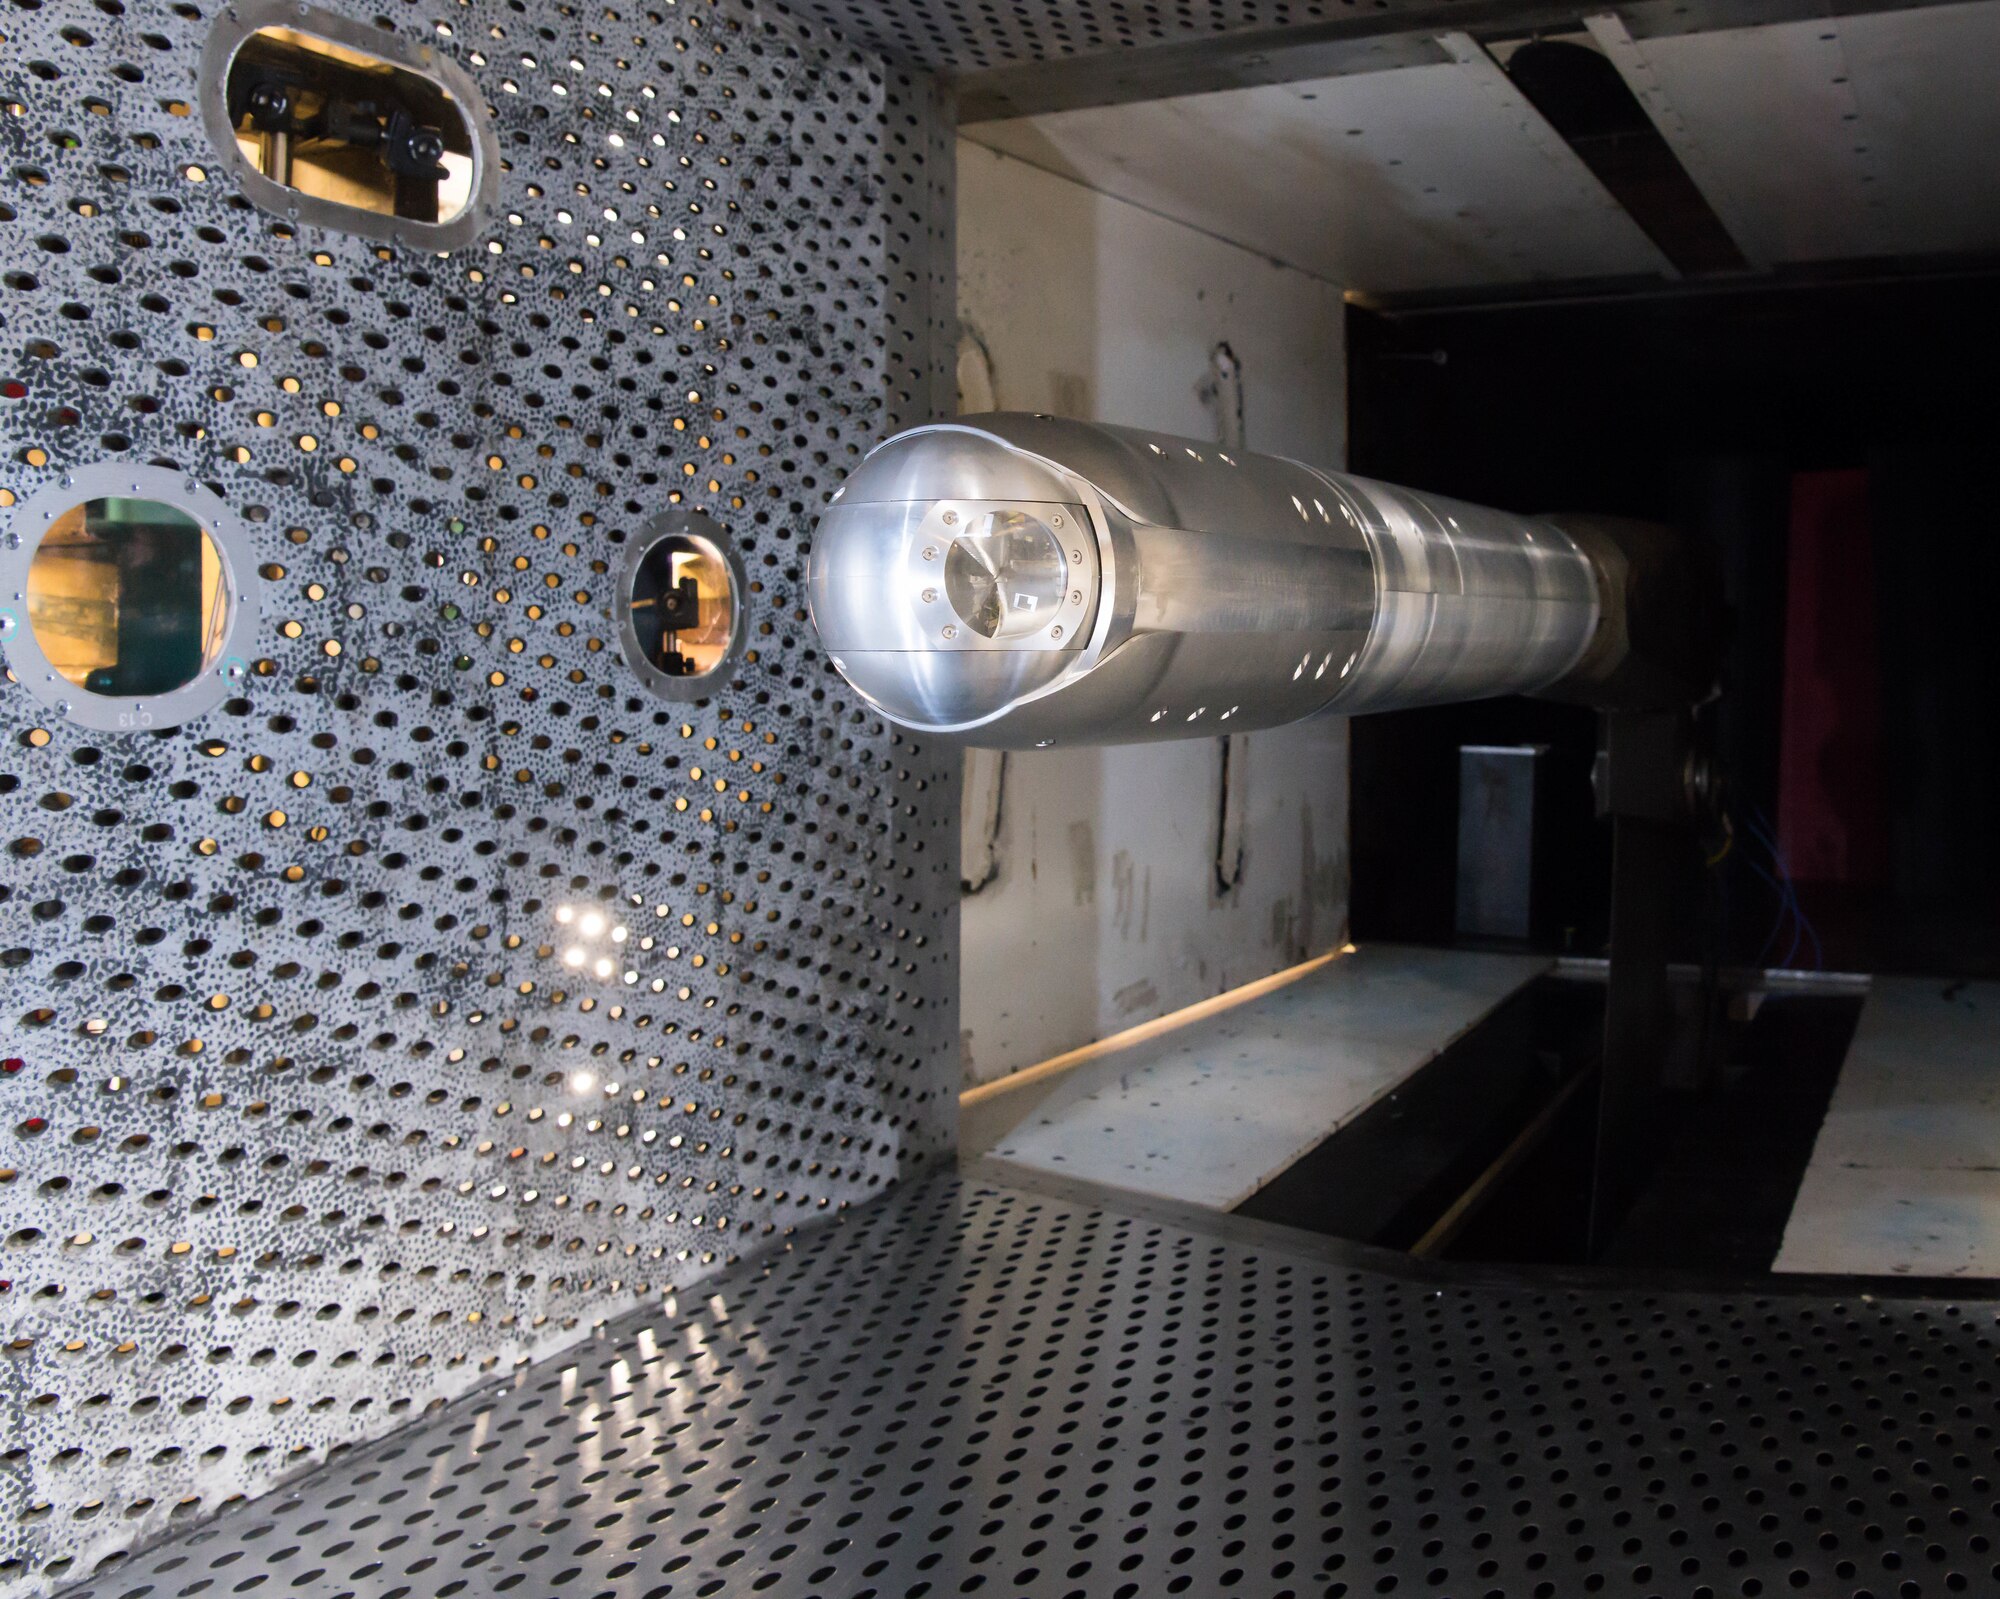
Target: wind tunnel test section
1016, 581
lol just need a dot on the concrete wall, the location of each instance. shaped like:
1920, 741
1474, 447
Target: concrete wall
1103, 908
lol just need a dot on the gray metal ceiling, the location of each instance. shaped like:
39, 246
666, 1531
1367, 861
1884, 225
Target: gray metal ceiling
1815, 141
1863, 136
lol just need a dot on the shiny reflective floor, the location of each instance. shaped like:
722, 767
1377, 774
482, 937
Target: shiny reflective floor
973, 1388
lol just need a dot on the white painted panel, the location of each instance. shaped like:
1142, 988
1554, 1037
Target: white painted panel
1104, 909
1874, 1222
1905, 1175
1850, 137
1421, 178
1210, 1112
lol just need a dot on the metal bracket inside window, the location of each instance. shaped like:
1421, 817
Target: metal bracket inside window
339, 124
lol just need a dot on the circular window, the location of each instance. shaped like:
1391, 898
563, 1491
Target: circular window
1005, 575
125, 598
681, 613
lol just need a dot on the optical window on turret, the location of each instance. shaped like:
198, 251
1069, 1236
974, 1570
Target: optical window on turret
1005, 574
349, 128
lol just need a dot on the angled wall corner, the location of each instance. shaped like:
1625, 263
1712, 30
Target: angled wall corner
1103, 904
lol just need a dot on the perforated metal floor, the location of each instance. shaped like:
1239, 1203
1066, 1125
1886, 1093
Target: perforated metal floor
970, 1388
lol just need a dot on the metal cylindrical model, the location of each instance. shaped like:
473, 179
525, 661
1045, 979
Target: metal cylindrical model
1017, 581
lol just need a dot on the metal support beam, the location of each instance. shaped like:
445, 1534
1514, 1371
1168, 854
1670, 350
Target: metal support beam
1642, 786
1637, 1016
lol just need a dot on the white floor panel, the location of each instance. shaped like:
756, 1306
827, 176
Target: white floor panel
1210, 1112
1905, 1176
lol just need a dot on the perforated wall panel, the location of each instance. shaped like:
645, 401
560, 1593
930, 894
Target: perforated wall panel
306, 1125
971, 35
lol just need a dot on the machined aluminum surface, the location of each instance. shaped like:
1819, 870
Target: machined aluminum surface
972, 1387
1218, 591
440, 992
